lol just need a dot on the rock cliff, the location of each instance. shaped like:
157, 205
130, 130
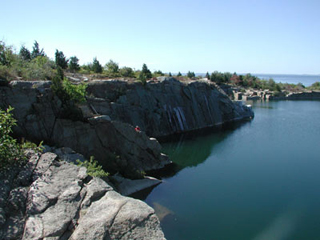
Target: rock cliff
117, 146
104, 125
53, 199
166, 106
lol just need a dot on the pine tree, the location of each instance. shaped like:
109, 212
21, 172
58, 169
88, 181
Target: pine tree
208, 75
36, 51
74, 64
179, 74
25, 53
61, 60
146, 72
190, 74
96, 66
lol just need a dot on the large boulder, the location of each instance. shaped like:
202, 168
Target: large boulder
60, 201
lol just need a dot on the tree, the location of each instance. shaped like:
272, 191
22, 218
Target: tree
74, 64
3, 59
96, 66
25, 53
190, 74
217, 77
36, 51
170, 75
145, 72
179, 74
207, 75
112, 67
61, 60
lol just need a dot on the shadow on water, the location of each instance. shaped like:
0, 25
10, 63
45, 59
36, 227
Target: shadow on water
192, 149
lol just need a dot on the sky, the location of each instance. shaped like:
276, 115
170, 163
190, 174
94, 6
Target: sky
243, 36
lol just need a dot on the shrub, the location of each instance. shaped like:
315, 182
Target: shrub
127, 72
39, 68
11, 152
75, 93
93, 168
9, 148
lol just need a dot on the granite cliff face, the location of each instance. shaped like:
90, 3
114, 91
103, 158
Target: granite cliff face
167, 106
117, 146
53, 199
104, 128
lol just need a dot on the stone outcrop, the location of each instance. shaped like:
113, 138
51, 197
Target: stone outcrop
52, 199
117, 146
166, 106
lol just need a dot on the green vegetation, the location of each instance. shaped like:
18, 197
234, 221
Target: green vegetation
61, 60
74, 64
191, 75
11, 152
9, 148
158, 73
93, 168
315, 86
96, 66
126, 72
67, 91
144, 74
112, 69
31, 66
35, 65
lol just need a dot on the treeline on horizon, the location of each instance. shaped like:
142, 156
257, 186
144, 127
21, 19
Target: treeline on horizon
36, 65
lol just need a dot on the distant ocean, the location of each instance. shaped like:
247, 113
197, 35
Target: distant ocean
306, 80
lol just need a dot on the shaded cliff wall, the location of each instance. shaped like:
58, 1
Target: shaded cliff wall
166, 106
40, 117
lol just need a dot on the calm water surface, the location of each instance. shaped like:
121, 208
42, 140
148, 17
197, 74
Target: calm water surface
260, 181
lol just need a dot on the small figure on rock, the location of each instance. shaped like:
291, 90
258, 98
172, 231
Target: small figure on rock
137, 129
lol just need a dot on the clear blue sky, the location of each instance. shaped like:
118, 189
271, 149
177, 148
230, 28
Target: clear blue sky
256, 36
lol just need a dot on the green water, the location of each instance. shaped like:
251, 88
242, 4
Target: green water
259, 181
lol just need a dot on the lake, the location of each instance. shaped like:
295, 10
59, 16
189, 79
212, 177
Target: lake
259, 180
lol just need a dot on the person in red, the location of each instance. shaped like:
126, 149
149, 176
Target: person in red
137, 129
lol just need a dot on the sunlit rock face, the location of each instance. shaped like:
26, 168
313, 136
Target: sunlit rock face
165, 106
49, 198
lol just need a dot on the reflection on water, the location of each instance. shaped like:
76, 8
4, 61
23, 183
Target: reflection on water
257, 181
161, 211
192, 149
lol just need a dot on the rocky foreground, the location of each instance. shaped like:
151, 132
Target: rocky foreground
53, 199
